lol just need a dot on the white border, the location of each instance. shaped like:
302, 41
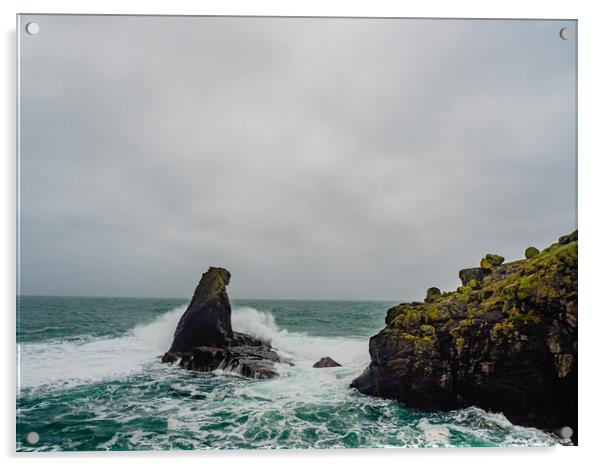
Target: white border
590, 104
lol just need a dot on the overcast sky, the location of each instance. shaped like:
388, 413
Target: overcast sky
313, 158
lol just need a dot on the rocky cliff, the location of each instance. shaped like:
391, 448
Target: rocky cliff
505, 341
204, 339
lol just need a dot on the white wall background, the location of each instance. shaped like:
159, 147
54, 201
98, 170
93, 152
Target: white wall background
590, 75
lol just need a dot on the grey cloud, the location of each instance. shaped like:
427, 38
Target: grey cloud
315, 158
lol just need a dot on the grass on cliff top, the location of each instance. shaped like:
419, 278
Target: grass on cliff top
517, 290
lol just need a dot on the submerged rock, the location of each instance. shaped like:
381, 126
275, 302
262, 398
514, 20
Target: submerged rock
326, 362
509, 346
204, 339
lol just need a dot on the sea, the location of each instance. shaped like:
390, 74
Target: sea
89, 377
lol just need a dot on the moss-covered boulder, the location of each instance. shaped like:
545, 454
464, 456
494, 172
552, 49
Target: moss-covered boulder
476, 273
432, 294
531, 252
486, 265
566, 239
494, 259
505, 341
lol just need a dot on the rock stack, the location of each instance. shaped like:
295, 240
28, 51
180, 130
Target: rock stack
204, 339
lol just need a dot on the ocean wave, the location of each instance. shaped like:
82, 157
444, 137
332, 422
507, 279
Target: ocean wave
69, 362
132, 401
52, 364
42, 330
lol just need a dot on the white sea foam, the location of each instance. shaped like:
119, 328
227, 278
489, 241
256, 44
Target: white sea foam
65, 363
302, 348
434, 434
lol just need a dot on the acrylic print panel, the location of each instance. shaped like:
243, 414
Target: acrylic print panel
258, 233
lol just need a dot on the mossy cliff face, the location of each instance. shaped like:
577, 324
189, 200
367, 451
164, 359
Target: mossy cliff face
505, 341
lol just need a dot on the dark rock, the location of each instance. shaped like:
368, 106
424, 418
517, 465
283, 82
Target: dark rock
249, 361
432, 294
204, 339
207, 320
566, 239
508, 347
531, 252
326, 362
169, 357
476, 273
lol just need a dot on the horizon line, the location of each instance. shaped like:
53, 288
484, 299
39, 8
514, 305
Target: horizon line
188, 299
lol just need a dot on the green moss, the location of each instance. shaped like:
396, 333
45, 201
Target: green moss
473, 284
459, 343
393, 312
536, 285
524, 291
434, 314
494, 259
510, 292
212, 283
516, 317
409, 318
460, 327
423, 343
485, 264
531, 252
566, 239
503, 329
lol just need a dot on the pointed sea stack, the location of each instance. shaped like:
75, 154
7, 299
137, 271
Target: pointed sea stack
207, 321
204, 339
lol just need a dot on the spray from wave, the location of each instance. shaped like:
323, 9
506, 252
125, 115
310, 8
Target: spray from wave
302, 348
66, 363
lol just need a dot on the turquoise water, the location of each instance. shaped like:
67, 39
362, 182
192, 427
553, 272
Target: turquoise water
89, 378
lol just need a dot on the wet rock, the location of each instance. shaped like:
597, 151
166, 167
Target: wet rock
249, 361
508, 345
326, 362
207, 320
170, 357
204, 339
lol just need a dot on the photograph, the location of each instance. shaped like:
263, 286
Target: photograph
278, 232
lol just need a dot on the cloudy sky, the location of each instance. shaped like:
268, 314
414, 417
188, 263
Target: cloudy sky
314, 158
